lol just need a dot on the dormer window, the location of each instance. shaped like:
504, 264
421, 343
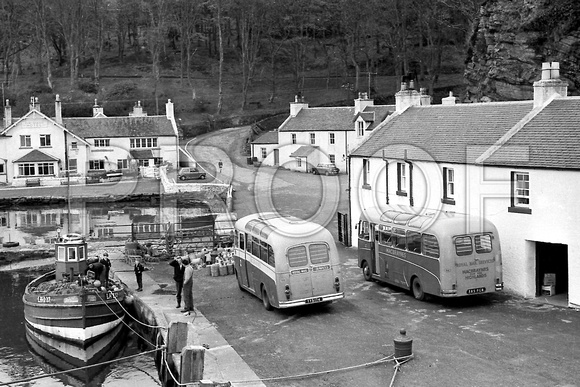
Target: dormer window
360, 128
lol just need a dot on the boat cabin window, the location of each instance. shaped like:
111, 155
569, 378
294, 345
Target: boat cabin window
61, 255
72, 254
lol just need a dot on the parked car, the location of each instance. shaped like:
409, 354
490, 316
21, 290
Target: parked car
325, 169
189, 173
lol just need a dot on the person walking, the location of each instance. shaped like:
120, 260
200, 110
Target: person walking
139, 269
187, 287
178, 271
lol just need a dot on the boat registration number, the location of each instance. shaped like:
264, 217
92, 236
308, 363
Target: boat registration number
475, 290
313, 300
44, 299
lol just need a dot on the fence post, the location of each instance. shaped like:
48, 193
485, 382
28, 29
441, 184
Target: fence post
192, 360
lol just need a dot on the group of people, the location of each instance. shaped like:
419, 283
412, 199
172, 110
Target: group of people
99, 269
183, 277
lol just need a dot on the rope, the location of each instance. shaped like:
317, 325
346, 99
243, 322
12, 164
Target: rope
79, 368
398, 365
134, 319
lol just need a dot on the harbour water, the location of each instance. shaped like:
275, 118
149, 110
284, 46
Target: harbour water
19, 360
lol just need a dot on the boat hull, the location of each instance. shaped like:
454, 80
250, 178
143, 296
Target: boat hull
81, 316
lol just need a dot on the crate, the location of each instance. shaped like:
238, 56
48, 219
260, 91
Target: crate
548, 290
549, 279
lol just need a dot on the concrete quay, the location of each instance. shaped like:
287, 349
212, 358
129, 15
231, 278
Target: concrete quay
156, 306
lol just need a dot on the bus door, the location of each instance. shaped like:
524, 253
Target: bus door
475, 264
321, 273
243, 273
366, 244
300, 279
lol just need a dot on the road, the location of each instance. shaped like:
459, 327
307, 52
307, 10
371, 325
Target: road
498, 340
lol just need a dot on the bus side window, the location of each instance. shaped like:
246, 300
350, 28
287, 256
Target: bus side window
271, 260
430, 246
363, 230
399, 239
385, 238
256, 247
414, 241
264, 251
241, 241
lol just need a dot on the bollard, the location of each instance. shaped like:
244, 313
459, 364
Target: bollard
192, 358
403, 345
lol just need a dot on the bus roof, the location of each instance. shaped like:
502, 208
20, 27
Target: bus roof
431, 221
267, 224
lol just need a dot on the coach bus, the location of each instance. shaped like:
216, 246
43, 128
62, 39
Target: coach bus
439, 253
286, 261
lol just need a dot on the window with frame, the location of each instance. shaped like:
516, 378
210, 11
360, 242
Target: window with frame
73, 145
399, 238
318, 253
463, 245
45, 168
96, 165
27, 169
331, 138
364, 230
360, 130
402, 179
143, 163
293, 138
520, 193
332, 158
482, 243
299, 162
148, 142
157, 161
122, 164
102, 142
365, 171
414, 241
312, 138
448, 186
72, 165
45, 140
263, 151
297, 256
25, 141
2, 170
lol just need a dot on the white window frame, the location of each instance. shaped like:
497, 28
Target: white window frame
360, 131
45, 141
264, 152
331, 138
25, 141
102, 142
293, 138
312, 138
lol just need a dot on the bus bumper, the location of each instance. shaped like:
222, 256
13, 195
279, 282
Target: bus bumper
310, 301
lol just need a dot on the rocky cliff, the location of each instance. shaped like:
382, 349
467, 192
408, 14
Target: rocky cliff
511, 39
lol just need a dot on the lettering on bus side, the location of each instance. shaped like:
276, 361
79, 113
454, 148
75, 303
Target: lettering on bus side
475, 262
395, 252
475, 273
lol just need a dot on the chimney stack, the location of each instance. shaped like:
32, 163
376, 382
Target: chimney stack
550, 84
408, 96
169, 112
97, 109
297, 105
34, 104
138, 111
362, 102
7, 114
57, 110
451, 100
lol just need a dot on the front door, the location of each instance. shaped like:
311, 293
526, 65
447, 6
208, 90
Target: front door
276, 157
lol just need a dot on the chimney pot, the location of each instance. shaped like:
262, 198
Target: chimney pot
411, 84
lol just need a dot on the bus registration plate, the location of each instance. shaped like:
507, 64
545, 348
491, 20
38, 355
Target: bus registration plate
313, 300
475, 290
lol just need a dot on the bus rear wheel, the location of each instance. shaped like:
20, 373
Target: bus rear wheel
266, 300
368, 276
417, 289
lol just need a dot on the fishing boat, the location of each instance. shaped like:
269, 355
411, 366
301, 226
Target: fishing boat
68, 303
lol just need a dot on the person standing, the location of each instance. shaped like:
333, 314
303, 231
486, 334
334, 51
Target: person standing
187, 287
139, 269
107, 264
178, 271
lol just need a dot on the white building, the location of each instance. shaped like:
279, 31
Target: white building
37, 149
515, 163
310, 136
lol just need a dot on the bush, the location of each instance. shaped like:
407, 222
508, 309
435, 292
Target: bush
121, 90
89, 87
40, 89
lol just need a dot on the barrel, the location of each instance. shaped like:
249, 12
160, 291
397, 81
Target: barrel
230, 267
215, 270
403, 345
223, 269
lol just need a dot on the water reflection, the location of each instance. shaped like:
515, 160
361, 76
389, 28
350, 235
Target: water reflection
33, 225
73, 364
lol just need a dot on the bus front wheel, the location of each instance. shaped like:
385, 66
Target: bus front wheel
266, 300
366, 271
417, 289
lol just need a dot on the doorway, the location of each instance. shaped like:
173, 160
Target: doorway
552, 258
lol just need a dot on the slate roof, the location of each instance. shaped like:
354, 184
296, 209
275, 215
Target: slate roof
330, 119
444, 133
35, 156
551, 139
270, 137
95, 127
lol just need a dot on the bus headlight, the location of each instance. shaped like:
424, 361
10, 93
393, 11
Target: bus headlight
337, 284
287, 292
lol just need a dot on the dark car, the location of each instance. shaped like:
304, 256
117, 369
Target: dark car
325, 169
190, 173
